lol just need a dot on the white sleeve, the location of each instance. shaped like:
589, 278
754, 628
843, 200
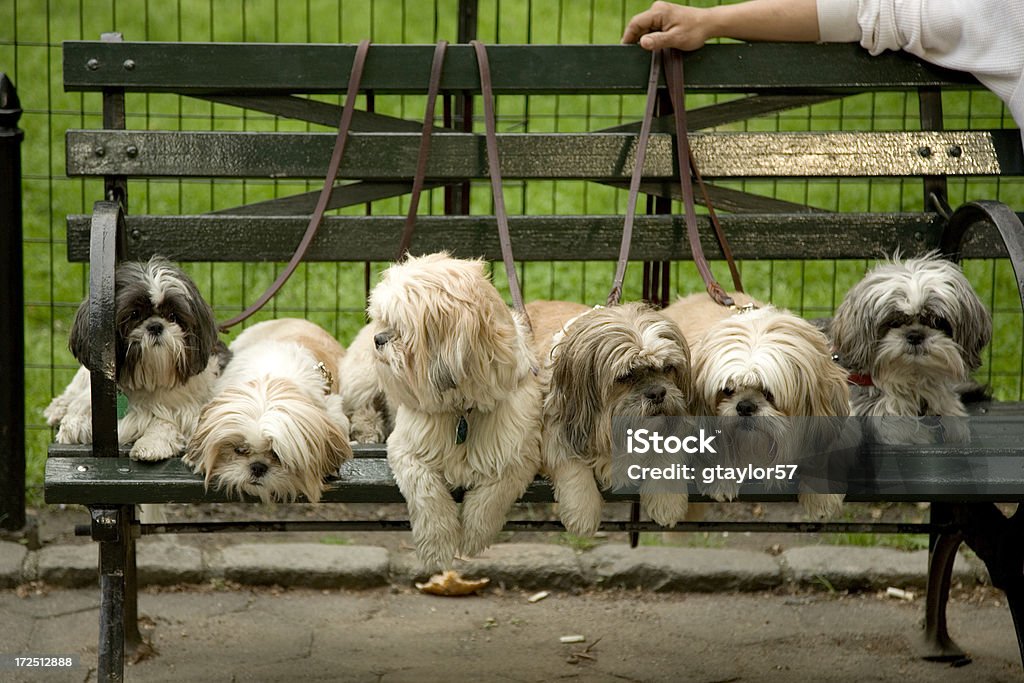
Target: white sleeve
837, 21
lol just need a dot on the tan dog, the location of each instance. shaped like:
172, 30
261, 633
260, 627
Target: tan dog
620, 361
370, 413
768, 364
458, 364
275, 427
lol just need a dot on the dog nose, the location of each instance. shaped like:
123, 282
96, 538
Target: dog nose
915, 337
258, 469
655, 394
154, 328
746, 407
381, 338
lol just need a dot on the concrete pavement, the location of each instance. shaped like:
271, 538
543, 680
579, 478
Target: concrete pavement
392, 635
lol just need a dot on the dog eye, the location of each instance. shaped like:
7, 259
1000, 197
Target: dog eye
899, 321
628, 377
728, 391
274, 456
769, 396
241, 450
942, 325
171, 318
381, 339
669, 369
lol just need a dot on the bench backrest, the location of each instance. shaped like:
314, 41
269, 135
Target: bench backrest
277, 80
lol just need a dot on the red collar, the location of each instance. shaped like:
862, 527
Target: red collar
860, 380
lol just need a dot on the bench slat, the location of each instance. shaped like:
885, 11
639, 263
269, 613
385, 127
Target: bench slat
928, 474
990, 468
598, 156
526, 69
535, 238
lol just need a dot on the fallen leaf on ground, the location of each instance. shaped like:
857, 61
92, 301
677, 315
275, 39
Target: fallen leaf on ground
451, 583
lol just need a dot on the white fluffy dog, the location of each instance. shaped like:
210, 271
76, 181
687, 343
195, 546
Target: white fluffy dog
620, 361
911, 332
458, 364
769, 365
168, 357
275, 427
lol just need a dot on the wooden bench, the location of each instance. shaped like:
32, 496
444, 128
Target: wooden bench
278, 80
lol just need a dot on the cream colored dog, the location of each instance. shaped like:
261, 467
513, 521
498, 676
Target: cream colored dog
275, 427
770, 365
459, 366
370, 412
620, 361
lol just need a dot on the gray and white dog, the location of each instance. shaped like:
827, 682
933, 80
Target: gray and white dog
910, 333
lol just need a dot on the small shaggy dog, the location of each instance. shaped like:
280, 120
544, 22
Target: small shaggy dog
458, 364
620, 361
766, 370
275, 427
911, 332
168, 357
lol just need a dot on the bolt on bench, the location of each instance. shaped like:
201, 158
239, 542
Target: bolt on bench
278, 79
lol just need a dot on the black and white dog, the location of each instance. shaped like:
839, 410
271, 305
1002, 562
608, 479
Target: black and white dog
168, 356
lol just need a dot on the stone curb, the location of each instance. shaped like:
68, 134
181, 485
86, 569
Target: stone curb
526, 566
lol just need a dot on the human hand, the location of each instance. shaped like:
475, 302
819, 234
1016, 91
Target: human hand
667, 25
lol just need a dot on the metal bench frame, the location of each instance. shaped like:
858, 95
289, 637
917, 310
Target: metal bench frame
266, 78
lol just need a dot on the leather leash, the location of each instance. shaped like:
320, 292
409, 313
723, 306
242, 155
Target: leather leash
634, 182
421, 162
494, 169
673, 60
325, 195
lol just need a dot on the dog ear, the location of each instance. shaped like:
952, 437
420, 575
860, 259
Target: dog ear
440, 375
972, 328
700, 404
853, 333
200, 336
831, 395
574, 393
78, 339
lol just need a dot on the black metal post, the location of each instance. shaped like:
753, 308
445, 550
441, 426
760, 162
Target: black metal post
12, 311
456, 197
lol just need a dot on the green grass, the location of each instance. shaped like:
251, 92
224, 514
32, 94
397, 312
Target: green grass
333, 294
335, 540
897, 541
578, 543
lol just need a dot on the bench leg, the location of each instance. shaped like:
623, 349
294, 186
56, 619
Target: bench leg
938, 646
132, 637
999, 541
112, 527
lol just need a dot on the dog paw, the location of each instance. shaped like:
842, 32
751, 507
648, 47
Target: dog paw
821, 505
723, 491
475, 541
437, 553
580, 512
55, 412
366, 431
665, 508
152, 450
75, 430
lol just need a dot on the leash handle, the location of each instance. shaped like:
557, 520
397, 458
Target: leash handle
674, 77
634, 182
358, 62
494, 169
421, 161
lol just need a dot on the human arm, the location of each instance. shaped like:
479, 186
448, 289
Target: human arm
666, 24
